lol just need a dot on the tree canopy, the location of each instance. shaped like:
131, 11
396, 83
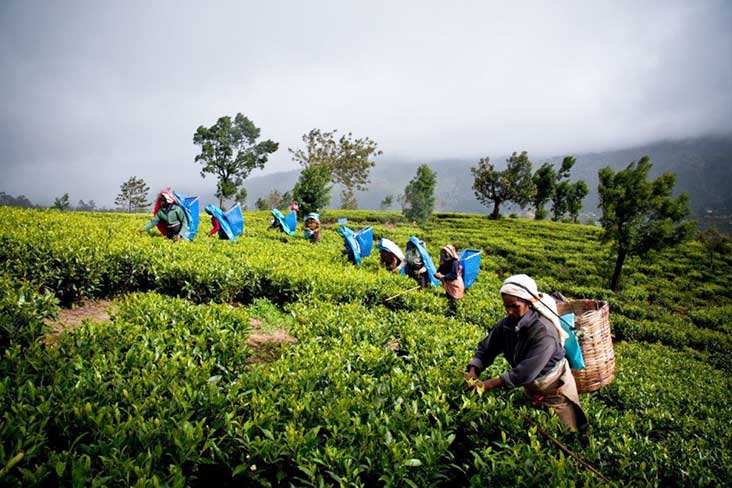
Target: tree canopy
312, 190
230, 151
514, 184
11, 201
544, 180
419, 195
62, 202
275, 199
133, 195
350, 160
638, 215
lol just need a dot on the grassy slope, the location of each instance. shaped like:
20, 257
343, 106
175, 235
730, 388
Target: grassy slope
340, 405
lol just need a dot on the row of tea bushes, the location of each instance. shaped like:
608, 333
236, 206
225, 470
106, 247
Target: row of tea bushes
99, 255
169, 393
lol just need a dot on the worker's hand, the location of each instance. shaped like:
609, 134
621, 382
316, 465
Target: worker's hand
471, 377
493, 383
439, 276
481, 386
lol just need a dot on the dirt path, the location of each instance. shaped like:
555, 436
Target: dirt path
70, 318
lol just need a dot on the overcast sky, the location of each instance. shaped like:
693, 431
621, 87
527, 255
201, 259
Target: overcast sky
94, 92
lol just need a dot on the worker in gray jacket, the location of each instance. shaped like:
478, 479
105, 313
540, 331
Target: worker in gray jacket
531, 340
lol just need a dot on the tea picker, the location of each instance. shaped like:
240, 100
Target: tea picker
390, 255
175, 216
532, 340
311, 230
228, 225
285, 224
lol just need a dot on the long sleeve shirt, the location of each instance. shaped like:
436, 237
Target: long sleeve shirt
449, 269
170, 215
531, 347
215, 226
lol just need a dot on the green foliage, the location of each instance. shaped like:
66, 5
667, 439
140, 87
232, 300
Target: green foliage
22, 314
578, 191
133, 195
348, 200
169, 392
419, 195
387, 202
230, 151
639, 215
62, 203
348, 159
11, 201
241, 197
514, 184
567, 197
544, 180
715, 243
274, 199
312, 190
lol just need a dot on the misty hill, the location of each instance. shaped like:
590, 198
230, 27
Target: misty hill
703, 168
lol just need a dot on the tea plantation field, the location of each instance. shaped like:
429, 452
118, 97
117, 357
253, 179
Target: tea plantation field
169, 392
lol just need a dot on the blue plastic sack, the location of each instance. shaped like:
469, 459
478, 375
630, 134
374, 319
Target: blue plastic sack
426, 259
351, 244
235, 219
365, 239
470, 263
287, 224
571, 345
190, 207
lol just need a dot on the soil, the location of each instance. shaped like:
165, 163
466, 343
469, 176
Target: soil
277, 337
70, 318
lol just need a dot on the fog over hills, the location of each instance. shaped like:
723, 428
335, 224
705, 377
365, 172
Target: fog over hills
703, 168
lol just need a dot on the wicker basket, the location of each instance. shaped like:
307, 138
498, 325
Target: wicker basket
592, 322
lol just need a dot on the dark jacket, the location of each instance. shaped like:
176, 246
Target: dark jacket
170, 215
531, 347
450, 269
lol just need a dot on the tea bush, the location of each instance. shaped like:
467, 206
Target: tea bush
169, 392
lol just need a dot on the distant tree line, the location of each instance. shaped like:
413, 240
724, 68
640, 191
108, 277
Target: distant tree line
639, 215
516, 184
11, 201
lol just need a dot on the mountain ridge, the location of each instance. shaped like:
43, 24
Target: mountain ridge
703, 168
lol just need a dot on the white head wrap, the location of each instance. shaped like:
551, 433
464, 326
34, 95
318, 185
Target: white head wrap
389, 246
524, 287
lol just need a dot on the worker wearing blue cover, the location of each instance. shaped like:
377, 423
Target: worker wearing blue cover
418, 264
169, 216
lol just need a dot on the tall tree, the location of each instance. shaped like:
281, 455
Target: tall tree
579, 190
133, 195
62, 202
638, 215
86, 206
274, 199
544, 180
714, 242
261, 204
349, 159
229, 150
419, 195
241, 198
312, 190
514, 184
348, 200
11, 201
565, 193
386, 202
